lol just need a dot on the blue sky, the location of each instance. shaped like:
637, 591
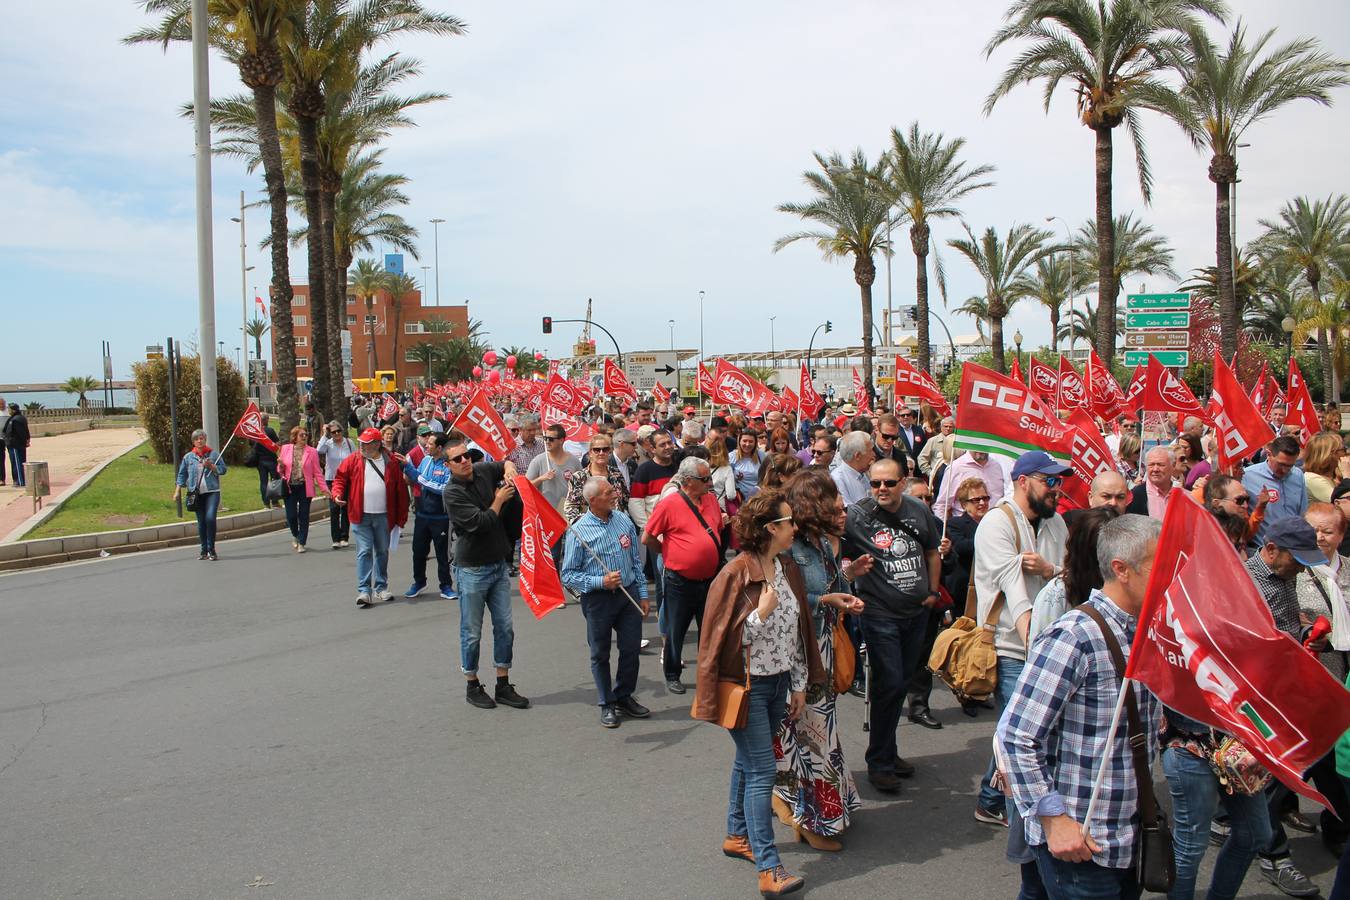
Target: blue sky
606, 150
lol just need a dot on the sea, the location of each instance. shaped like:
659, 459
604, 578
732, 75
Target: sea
62, 400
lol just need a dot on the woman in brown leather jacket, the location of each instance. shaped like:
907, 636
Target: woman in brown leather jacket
757, 614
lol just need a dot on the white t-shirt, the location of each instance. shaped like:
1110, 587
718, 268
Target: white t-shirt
373, 497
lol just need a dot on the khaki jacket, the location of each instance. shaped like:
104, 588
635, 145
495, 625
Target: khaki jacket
732, 596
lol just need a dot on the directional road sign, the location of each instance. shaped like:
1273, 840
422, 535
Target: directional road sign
1157, 301
644, 370
1171, 358
1162, 340
1157, 320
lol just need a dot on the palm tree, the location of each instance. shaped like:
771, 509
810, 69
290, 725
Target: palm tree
978, 309
1311, 236
426, 353
81, 384
1136, 250
1111, 51
1049, 285
1204, 284
1002, 263
926, 180
1081, 324
1224, 92
257, 327
1330, 319
764, 374
248, 33
851, 208
366, 281
526, 364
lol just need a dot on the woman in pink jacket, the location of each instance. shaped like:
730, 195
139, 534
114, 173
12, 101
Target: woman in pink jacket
302, 474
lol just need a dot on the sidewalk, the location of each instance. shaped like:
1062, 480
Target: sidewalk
68, 456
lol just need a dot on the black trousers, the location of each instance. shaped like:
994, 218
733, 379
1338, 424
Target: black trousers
338, 524
684, 599
921, 683
429, 533
610, 612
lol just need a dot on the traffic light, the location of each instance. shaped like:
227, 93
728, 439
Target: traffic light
813, 373
548, 324
829, 326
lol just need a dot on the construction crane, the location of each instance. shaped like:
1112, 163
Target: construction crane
584, 345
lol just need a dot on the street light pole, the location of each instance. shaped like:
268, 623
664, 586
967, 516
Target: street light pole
773, 352
1068, 234
243, 281
206, 288
425, 270
671, 323
436, 242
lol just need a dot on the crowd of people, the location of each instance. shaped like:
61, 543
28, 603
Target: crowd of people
822, 558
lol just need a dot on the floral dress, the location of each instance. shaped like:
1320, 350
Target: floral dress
812, 776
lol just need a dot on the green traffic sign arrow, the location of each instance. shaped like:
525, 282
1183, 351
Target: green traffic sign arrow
1157, 320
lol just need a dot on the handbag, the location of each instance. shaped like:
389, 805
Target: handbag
1155, 866
190, 501
733, 700
1237, 769
275, 491
845, 660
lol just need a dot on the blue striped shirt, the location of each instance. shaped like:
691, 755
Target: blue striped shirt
615, 541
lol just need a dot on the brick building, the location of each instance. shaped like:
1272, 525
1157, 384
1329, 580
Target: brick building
397, 327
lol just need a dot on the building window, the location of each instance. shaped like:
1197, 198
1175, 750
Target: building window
300, 320
412, 356
302, 362
351, 298
302, 340
299, 300
371, 320
412, 327
351, 320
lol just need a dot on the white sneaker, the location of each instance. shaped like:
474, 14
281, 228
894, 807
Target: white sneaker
384, 596
299, 548
363, 600
343, 543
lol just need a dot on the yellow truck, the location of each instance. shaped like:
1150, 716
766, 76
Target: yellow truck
384, 380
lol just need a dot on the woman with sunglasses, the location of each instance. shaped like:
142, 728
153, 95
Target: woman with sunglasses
302, 476
757, 628
599, 463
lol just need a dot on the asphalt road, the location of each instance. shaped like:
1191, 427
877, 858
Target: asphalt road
178, 729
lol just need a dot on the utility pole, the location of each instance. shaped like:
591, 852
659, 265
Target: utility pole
243, 284
206, 294
436, 238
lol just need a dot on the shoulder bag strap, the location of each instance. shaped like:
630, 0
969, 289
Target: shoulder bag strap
1138, 739
698, 515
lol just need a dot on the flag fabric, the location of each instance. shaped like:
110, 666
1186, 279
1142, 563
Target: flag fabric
1207, 646
1072, 392
731, 385
914, 382
1134, 394
541, 526
860, 395
1105, 398
788, 400
616, 382
484, 426
660, 393
1044, 382
811, 402
1016, 373
1241, 428
250, 426
564, 395
1165, 392
552, 367
1301, 409
1090, 458
995, 414
389, 408
1275, 396
262, 307
356, 388
1260, 396
705, 383
575, 429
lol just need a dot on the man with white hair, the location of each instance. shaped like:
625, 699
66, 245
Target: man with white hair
971, 464
855, 456
691, 433
1150, 498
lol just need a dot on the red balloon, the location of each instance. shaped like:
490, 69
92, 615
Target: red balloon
477, 371
510, 362
490, 358
493, 376
538, 355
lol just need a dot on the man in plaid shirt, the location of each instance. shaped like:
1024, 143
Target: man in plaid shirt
1055, 726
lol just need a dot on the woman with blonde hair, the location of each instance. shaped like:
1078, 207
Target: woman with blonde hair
1321, 456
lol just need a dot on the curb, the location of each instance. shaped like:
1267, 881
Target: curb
51, 509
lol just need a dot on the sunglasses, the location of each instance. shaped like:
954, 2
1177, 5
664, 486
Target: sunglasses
549, 440
884, 482
458, 457
1244, 500
984, 499
779, 519
703, 478
889, 437
1050, 481
600, 449
820, 452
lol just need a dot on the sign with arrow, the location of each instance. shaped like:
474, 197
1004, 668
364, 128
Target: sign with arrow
1158, 319
644, 370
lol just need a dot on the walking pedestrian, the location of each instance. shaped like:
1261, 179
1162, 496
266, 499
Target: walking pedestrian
199, 475
4, 454
370, 484
302, 477
17, 441
334, 447
266, 460
431, 527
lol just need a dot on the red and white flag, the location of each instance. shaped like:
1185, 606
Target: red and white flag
541, 526
1044, 382
914, 382
484, 426
616, 382
660, 392
1091, 457
995, 414
1015, 373
705, 383
1105, 398
262, 307
1301, 409
731, 385
1274, 396
1072, 392
1165, 392
1207, 646
811, 402
1134, 394
1241, 428
552, 367
250, 426
564, 395
1259, 392
789, 400
389, 408
860, 395
575, 429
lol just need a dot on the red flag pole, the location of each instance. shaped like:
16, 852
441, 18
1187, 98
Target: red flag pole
1106, 755
595, 557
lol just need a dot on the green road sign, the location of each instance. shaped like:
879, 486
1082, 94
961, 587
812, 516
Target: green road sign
1158, 340
1157, 301
1171, 358
1157, 320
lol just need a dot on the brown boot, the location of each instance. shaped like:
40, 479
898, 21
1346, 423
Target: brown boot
783, 811
737, 846
817, 841
776, 882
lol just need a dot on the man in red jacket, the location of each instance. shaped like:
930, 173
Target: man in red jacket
370, 484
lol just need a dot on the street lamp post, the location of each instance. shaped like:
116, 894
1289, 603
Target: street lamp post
243, 281
1068, 234
1017, 340
773, 351
425, 270
828, 326
1288, 325
671, 324
436, 243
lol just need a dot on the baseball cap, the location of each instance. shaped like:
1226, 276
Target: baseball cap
370, 436
1038, 462
1298, 537
423, 429
689, 409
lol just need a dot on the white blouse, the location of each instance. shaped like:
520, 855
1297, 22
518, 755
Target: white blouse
773, 643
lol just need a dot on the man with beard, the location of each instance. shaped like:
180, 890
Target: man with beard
1019, 546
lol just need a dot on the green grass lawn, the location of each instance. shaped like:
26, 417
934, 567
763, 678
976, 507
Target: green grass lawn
134, 491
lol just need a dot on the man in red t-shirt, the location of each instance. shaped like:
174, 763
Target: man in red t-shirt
691, 551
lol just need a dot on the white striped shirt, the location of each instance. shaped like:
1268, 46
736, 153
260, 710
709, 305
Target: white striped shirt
615, 541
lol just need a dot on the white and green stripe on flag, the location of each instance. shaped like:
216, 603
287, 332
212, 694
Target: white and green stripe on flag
983, 441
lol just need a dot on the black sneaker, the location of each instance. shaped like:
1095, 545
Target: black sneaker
674, 685
514, 572
507, 696
991, 816
857, 688
1284, 875
609, 717
478, 697
633, 709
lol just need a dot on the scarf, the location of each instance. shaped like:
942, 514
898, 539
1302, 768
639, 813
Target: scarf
1340, 615
203, 451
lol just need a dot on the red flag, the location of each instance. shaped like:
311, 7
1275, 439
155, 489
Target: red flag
1090, 458
1241, 429
540, 528
389, 408
1072, 392
860, 395
262, 307
789, 400
660, 393
1301, 409
250, 426
1207, 646
1165, 392
731, 385
485, 427
912, 382
552, 367
564, 395
995, 414
705, 383
811, 402
574, 428
616, 382
1259, 393
356, 388
1044, 381
1105, 398
1276, 396
1016, 373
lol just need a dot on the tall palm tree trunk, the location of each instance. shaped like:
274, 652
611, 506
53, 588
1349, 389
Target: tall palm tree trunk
1223, 171
308, 132
283, 334
1106, 251
865, 273
1054, 329
336, 283
996, 340
918, 239
372, 357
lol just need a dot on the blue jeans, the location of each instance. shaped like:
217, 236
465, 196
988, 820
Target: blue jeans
684, 600
429, 533
893, 647
749, 806
1023, 856
1009, 670
372, 552
207, 507
297, 512
1085, 880
1195, 796
479, 587
609, 612
17, 457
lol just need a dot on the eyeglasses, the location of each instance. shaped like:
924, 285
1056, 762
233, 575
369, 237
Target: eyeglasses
458, 457
884, 482
548, 439
1244, 500
779, 519
703, 478
820, 452
600, 449
1050, 481
984, 499
889, 437
629, 443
